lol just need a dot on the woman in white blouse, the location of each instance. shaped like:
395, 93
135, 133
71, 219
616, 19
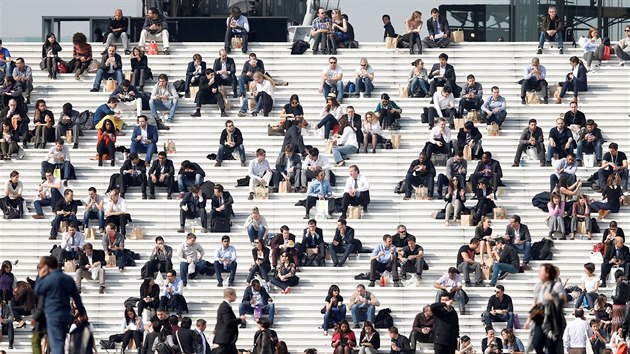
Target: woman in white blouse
132, 328
372, 132
588, 287
593, 48
346, 142
329, 115
264, 93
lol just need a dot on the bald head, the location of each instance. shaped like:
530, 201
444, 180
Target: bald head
118, 14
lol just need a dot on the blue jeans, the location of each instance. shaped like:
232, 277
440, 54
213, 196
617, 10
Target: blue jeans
602, 175
58, 218
253, 234
498, 118
150, 148
57, 328
418, 84
553, 180
338, 86
170, 106
183, 270
243, 82
65, 168
544, 36
100, 215
558, 149
364, 84
488, 318
340, 151
245, 308
335, 314
184, 182
101, 74
499, 268
54, 197
526, 248
411, 180
229, 150
221, 267
358, 315
590, 299
328, 122
595, 147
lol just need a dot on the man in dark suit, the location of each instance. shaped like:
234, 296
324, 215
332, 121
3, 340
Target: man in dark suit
420, 172
517, 235
209, 93
203, 347
225, 69
313, 240
187, 338
221, 203
618, 255
161, 174
144, 138
194, 71
283, 242
90, 262
193, 205
133, 173
12, 113
226, 329
443, 74
355, 122
231, 139
293, 136
489, 169
261, 299
288, 168
342, 242
439, 31
471, 136
446, 325
110, 67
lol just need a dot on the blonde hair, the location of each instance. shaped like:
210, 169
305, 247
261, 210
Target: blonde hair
364, 60
258, 74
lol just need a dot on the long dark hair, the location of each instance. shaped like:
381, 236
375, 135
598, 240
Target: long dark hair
333, 287
130, 320
79, 39
6, 265
47, 43
104, 127
146, 287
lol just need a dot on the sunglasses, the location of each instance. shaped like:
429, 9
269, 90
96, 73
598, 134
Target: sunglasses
363, 65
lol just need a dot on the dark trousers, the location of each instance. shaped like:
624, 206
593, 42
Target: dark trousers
168, 183
109, 149
442, 181
413, 266
262, 270
120, 221
127, 180
493, 179
574, 85
416, 336
439, 83
214, 214
228, 150
334, 250
312, 201
435, 149
230, 81
484, 206
376, 268
294, 178
138, 77
151, 268
363, 200
415, 181
264, 102
413, 39
176, 302
320, 257
200, 213
540, 148
275, 255
449, 114
465, 104
228, 39
606, 267
127, 336
554, 179
536, 85
225, 349
545, 345
444, 349
220, 267
65, 166
386, 118
188, 82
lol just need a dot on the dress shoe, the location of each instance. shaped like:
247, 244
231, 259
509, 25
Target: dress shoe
181, 230
152, 196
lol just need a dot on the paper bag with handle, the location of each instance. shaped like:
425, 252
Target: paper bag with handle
284, 187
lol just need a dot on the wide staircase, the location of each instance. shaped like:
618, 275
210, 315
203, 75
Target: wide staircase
298, 317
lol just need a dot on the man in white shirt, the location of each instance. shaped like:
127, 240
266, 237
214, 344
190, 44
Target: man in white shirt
259, 172
91, 266
164, 97
225, 261
72, 242
439, 139
356, 191
622, 48
58, 156
576, 334
564, 167
116, 211
332, 77
172, 294
443, 106
313, 163
189, 252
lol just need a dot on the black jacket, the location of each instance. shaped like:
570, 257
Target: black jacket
160, 20
227, 201
54, 47
105, 67
443, 24
430, 168
168, 168
347, 239
308, 239
97, 256
523, 231
293, 136
446, 325
248, 68
226, 329
449, 72
5, 112
188, 340
196, 170
229, 65
475, 135
190, 70
237, 136
624, 254
281, 162
265, 256
495, 166
127, 165
188, 200
249, 293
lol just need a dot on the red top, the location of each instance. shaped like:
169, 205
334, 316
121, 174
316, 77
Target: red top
351, 337
101, 134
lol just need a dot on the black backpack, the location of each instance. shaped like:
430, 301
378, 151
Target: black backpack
131, 302
86, 120
384, 319
541, 250
11, 213
300, 47
540, 201
220, 224
179, 85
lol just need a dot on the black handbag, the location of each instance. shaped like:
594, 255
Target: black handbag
107, 344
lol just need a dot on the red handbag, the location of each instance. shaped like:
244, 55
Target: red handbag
62, 68
606, 55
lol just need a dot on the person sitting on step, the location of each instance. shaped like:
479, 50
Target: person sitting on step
439, 31
111, 67
312, 247
356, 191
225, 71
91, 266
144, 139
493, 108
49, 193
225, 261
116, 211
288, 170
471, 97
190, 174
259, 172
172, 294
65, 210
220, 204
532, 137
534, 80
575, 81
161, 174
193, 205
231, 139
552, 29
319, 189
208, 93
343, 242
133, 172
155, 27
194, 71
263, 95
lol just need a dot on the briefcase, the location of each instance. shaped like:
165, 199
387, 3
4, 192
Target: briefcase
220, 224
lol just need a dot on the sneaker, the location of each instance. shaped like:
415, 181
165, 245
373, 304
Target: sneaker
196, 114
167, 51
251, 196
503, 275
622, 63
539, 51
127, 52
371, 284
561, 51
241, 114
220, 284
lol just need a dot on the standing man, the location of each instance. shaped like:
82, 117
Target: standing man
237, 25
144, 139
231, 139
155, 28
439, 31
551, 29
226, 329
118, 26
58, 289
446, 325
161, 174
575, 339
204, 346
